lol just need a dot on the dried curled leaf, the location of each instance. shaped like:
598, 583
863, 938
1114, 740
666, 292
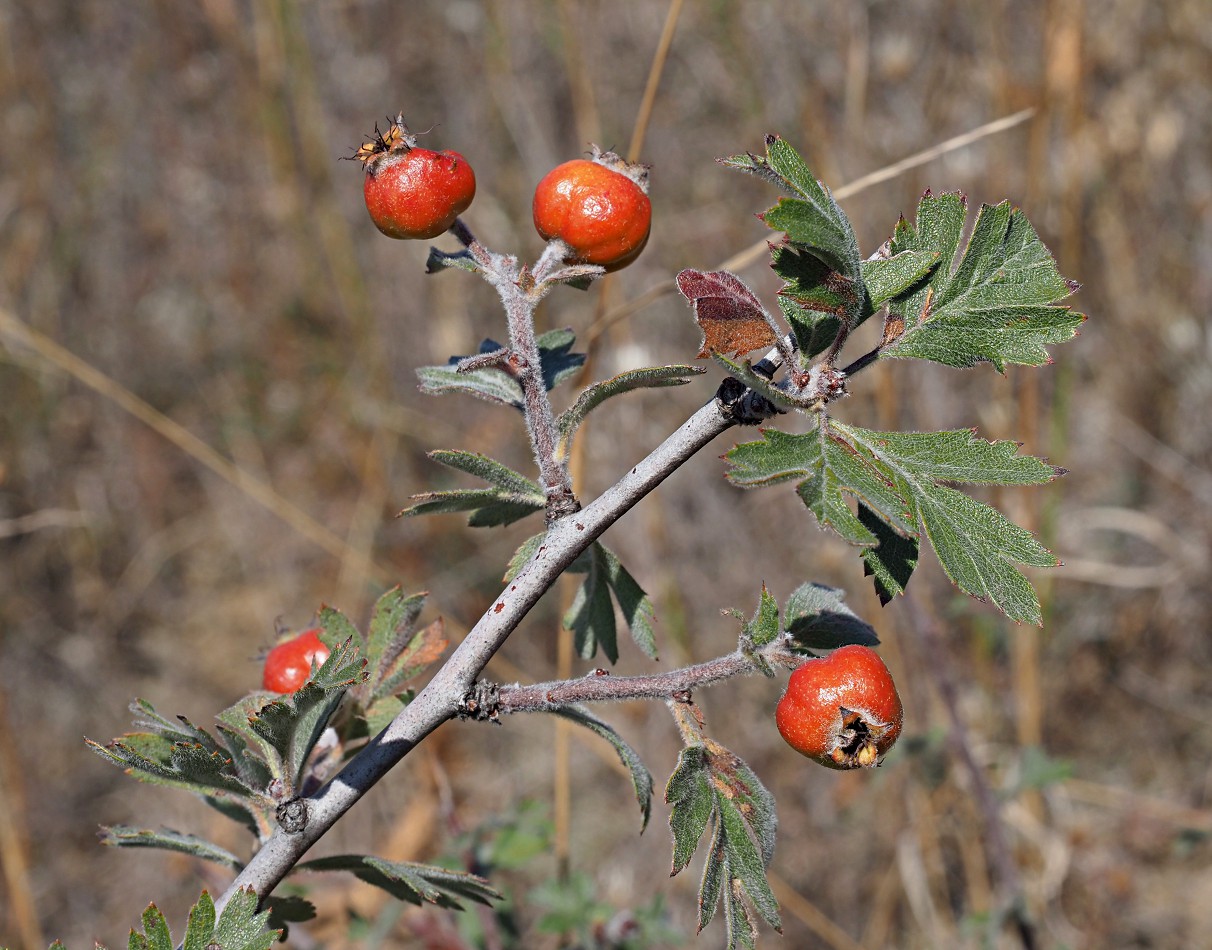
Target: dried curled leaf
729, 313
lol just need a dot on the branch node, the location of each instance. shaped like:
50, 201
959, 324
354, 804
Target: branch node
292, 816
481, 703
742, 405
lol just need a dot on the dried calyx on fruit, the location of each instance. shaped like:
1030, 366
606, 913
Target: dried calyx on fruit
599, 207
841, 710
413, 192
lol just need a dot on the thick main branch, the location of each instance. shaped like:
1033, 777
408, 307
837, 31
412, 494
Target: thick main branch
439, 700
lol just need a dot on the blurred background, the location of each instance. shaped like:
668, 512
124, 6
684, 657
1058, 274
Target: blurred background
209, 417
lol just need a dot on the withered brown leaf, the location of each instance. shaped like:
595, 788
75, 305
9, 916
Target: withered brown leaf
731, 317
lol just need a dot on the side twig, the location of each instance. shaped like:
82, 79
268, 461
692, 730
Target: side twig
600, 686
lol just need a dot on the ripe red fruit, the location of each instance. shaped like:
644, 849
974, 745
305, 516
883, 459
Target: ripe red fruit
600, 208
413, 192
288, 665
841, 710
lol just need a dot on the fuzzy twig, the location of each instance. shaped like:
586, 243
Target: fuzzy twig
600, 686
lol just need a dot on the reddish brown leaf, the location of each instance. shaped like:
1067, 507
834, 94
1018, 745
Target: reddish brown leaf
729, 314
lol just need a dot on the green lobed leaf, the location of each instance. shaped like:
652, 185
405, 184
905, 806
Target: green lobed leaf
815, 298
336, 628
634, 604
513, 497
244, 812
287, 910
556, 357
593, 396
556, 360
955, 455
489, 509
812, 218
488, 470
711, 783
201, 927
491, 385
746, 866
689, 792
885, 277
197, 764
381, 712
715, 872
242, 927
738, 785
125, 836
155, 927
976, 544
396, 650
248, 765
178, 730
817, 618
227, 775
408, 881
828, 471
391, 628
641, 778
897, 477
237, 719
764, 627
891, 561
995, 302
425, 648
158, 761
591, 615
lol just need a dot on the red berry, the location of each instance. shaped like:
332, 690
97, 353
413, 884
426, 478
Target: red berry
841, 710
600, 208
288, 665
413, 192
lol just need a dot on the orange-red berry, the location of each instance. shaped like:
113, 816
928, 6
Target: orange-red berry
413, 192
600, 208
288, 665
841, 710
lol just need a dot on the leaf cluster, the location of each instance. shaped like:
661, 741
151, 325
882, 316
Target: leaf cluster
509, 496
240, 927
713, 787
268, 750
995, 298
815, 618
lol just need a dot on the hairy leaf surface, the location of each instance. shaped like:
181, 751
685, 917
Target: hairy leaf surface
996, 301
899, 479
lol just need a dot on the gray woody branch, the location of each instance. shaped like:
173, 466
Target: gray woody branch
440, 699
